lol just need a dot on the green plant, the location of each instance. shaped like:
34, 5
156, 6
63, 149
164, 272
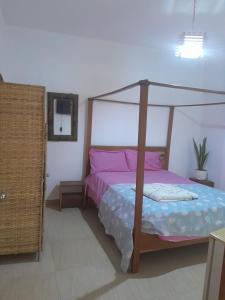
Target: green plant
201, 153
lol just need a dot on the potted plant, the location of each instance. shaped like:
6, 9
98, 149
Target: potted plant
201, 157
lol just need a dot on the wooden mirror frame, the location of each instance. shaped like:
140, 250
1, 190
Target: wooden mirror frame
74, 117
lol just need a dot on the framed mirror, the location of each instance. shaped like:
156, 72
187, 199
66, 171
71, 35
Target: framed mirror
62, 117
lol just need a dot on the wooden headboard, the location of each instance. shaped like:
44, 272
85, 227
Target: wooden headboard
165, 151
162, 150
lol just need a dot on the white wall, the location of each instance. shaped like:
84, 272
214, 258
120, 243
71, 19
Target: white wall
2, 27
107, 118
214, 118
64, 63
1, 22
186, 127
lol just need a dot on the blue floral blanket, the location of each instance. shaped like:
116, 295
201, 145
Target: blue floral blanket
192, 218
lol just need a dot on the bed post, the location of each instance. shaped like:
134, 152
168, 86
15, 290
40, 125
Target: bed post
87, 144
143, 110
169, 135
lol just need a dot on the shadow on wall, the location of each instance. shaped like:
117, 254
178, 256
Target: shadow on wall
53, 193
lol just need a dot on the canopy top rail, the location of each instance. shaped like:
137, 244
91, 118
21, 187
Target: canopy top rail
187, 88
128, 102
200, 104
165, 85
156, 105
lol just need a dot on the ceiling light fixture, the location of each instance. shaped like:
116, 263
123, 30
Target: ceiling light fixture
191, 44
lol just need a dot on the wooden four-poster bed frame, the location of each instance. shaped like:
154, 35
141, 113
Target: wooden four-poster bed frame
144, 242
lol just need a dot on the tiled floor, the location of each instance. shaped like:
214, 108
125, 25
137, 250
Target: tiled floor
80, 262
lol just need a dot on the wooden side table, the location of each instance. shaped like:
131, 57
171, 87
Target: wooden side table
70, 187
204, 182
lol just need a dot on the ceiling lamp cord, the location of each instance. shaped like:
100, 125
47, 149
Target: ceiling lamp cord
194, 14
191, 44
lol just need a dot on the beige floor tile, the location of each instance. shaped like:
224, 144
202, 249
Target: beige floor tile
78, 253
26, 265
67, 224
85, 283
80, 262
42, 287
98, 283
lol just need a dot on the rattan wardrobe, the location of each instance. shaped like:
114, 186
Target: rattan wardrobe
22, 164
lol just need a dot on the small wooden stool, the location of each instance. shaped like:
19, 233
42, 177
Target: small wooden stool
70, 187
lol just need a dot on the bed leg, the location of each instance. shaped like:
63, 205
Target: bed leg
85, 201
135, 262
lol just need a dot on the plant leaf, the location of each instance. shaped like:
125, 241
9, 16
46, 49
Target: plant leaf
200, 151
196, 152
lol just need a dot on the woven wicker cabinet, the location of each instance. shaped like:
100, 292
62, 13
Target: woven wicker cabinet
22, 148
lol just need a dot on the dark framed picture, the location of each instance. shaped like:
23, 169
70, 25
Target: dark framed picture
62, 117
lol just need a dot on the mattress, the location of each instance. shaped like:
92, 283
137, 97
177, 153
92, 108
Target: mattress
97, 184
181, 220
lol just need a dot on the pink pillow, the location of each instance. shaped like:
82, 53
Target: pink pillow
107, 161
152, 160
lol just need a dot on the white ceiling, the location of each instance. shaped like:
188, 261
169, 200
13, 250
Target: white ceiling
139, 22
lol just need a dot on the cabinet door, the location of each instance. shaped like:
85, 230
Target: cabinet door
21, 167
214, 288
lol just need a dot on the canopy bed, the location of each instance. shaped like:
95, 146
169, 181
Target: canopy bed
141, 241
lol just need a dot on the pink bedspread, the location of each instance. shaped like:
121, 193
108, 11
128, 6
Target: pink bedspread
97, 184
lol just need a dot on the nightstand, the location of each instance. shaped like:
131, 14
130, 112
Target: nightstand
204, 182
70, 187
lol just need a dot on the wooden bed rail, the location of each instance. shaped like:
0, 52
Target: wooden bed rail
165, 85
142, 127
88, 136
169, 134
159, 105
186, 88
131, 103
